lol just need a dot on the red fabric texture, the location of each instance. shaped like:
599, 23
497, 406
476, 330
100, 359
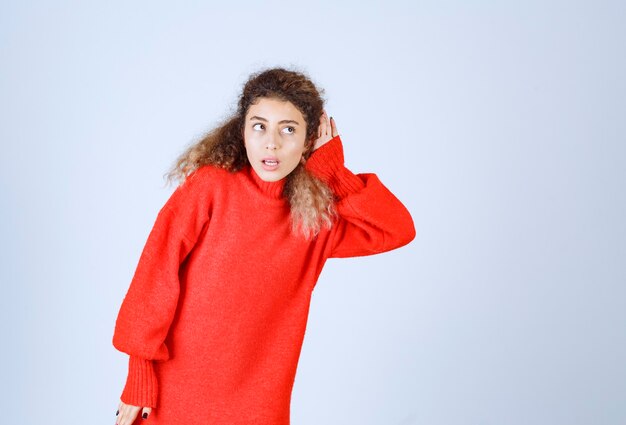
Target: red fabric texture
215, 315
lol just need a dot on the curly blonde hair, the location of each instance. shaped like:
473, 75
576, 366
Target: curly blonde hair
310, 199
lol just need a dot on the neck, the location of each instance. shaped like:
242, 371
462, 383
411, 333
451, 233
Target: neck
273, 189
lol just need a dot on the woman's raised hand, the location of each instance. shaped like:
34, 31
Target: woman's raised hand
326, 130
127, 413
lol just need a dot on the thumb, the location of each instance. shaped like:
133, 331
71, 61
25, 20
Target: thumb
145, 412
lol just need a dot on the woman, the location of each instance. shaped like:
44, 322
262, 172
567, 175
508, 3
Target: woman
215, 315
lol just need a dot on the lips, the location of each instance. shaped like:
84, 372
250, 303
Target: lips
270, 163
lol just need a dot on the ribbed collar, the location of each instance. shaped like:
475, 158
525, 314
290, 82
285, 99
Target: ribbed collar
272, 190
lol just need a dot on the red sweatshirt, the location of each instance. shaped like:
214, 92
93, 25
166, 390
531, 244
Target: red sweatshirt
215, 315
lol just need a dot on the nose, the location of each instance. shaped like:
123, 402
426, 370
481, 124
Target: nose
271, 143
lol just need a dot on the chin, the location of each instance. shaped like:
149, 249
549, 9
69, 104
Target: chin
268, 176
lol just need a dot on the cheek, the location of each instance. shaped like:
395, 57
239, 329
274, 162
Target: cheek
247, 147
297, 150
248, 140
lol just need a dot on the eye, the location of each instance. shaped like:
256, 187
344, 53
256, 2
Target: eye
291, 128
254, 125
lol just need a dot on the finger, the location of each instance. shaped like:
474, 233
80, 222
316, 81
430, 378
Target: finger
145, 413
322, 126
122, 410
333, 125
319, 128
122, 418
122, 413
327, 123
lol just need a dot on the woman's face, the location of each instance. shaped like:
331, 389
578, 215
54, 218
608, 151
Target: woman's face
274, 136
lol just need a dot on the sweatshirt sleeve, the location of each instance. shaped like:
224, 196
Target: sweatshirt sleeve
148, 308
371, 219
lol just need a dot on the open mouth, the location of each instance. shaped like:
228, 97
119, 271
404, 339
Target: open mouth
270, 164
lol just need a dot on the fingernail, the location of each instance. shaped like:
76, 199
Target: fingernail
117, 413
144, 416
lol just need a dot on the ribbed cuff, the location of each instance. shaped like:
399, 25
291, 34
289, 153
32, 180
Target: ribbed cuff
141, 384
327, 164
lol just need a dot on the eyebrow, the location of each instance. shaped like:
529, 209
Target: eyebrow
279, 122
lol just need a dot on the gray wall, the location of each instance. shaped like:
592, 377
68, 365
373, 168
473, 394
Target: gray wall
500, 125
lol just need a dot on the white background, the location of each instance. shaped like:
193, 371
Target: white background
500, 125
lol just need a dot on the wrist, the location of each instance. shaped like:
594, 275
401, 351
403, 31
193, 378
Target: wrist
326, 160
327, 164
141, 384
